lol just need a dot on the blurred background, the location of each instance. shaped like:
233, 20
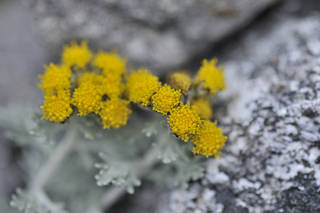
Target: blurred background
162, 35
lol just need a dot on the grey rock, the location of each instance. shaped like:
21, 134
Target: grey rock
21, 59
160, 34
271, 162
21, 56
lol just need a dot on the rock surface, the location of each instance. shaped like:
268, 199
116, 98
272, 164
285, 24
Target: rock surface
21, 59
160, 34
21, 56
271, 162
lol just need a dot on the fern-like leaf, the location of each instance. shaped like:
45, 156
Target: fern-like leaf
116, 172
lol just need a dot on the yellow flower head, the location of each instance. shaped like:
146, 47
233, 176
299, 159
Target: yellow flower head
208, 140
87, 98
90, 77
141, 85
112, 87
184, 122
212, 76
56, 108
165, 99
180, 80
110, 63
75, 54
115, 113
54, 79
202, 107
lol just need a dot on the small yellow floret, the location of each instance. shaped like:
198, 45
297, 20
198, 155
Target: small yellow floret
180, 80
112, 87
110, 63
165, 99
87, 98
212, 76
90, 77
202, 107
184, 122
141, 85
209, 140
56, 109
115, 113
75, 54
55, 78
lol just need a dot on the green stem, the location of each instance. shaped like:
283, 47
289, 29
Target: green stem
53, 162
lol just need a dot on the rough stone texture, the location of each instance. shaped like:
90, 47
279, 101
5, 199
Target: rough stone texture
271, 162
160, 34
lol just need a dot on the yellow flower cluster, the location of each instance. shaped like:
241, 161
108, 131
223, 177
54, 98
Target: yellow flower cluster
115, 113
188, 117
110, 63
89, 77
184, 122
212, 76
56, 108
87, 98
112, 87
75, 54
55, 84
208, 140
181, 81
55, 78
165, 99
141, 85
145, 89
100, 85
193, 121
